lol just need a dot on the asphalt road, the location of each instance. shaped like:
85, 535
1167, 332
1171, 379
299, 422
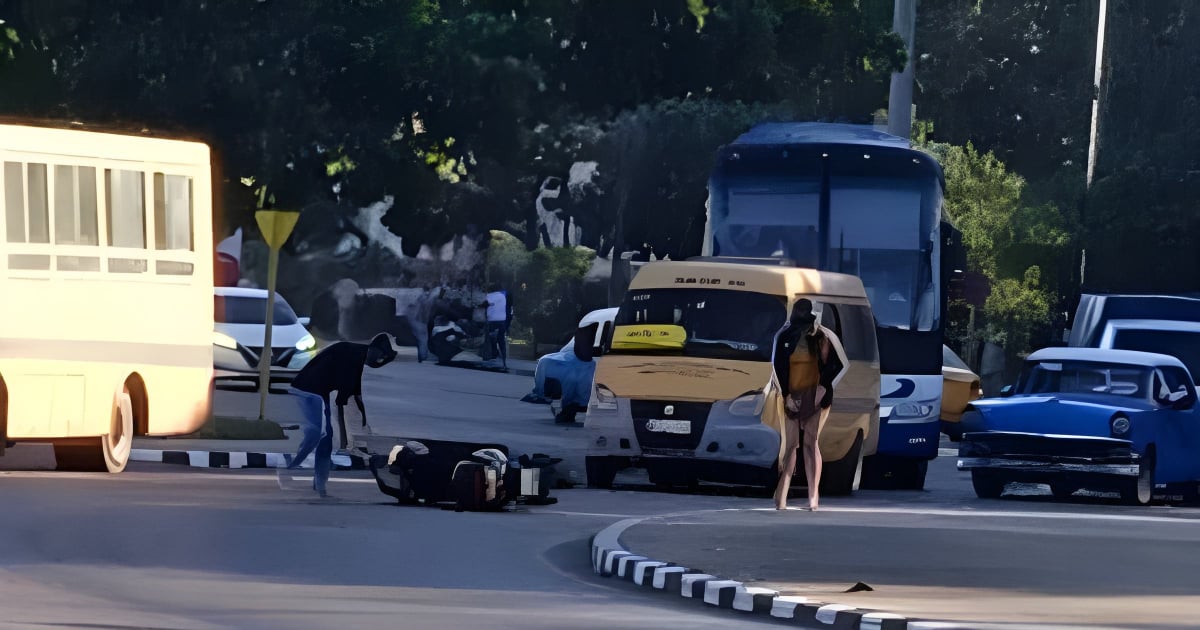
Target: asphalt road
162, 546
172, 547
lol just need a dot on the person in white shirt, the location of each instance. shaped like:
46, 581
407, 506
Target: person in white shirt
496, 304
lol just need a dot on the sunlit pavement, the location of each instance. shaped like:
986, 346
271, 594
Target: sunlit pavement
172, 546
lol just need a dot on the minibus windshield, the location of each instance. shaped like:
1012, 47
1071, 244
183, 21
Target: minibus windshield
719, 323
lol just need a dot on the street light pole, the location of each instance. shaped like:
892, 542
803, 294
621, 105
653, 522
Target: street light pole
900, 98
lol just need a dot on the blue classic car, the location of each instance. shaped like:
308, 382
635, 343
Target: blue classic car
1107, 420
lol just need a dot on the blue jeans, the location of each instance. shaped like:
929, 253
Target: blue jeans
315, 436
421, 332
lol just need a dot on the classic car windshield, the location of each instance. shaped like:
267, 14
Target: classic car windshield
1085, 377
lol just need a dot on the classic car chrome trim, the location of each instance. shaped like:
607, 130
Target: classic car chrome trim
968, 463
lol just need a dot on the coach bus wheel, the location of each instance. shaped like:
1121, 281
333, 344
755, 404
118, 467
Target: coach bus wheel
110, 452
837, 478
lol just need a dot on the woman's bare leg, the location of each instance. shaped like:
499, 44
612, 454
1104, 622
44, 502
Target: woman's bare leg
789, 464
812, 457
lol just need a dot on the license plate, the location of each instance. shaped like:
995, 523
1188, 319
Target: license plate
669, 426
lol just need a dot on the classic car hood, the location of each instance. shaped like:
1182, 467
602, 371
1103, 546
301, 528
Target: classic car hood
1068, 415
253, 334
680, 378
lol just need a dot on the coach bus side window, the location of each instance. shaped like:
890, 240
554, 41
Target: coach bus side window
124, 192
858, 333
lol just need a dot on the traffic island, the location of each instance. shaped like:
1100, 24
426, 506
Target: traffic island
610, 558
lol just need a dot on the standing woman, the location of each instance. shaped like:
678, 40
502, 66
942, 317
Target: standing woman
809, 363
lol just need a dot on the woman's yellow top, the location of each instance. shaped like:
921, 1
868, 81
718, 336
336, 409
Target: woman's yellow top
803, 371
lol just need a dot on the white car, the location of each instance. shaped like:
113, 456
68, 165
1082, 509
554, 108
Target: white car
240, 328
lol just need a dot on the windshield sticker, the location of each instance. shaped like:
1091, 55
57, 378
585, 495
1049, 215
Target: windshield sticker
710, 281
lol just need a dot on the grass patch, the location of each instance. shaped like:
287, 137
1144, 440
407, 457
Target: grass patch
230, 428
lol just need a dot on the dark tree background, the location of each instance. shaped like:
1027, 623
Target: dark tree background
460, 110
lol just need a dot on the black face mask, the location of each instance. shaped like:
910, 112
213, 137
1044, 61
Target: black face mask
804, 322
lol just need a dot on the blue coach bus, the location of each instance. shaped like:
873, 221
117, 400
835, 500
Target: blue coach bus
850, 199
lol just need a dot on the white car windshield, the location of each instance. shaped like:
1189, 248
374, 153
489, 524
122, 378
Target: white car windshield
230, 309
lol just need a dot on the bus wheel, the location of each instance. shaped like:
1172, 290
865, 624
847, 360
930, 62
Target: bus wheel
112, 452
118, 444
838, 477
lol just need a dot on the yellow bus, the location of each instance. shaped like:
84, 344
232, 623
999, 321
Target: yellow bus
685, 390
106, 280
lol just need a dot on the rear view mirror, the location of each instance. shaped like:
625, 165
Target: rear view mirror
1006, 391
303, 321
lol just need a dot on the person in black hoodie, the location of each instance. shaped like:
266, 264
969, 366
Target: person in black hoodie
339, 368
809, 363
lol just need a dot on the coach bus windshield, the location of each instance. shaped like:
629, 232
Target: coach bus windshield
882, 222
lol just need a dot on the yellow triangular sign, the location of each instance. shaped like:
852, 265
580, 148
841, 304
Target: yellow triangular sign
276, 226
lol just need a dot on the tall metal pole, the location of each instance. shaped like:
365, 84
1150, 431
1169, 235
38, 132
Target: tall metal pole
1093, 134
1091, 166
900, 98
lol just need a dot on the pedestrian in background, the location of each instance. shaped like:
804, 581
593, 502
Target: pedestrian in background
809, 363
496, 303
339, 368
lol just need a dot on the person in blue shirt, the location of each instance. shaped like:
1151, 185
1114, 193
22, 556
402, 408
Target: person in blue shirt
498, 316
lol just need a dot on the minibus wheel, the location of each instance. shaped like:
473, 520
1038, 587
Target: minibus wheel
601, 471
837, 477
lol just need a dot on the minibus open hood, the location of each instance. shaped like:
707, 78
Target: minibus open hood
680, 378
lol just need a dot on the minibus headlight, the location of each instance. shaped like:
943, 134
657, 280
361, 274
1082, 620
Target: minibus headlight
747, 404
307, 342
604, 398
225, 341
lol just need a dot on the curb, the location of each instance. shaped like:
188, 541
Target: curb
235, 459
610, 557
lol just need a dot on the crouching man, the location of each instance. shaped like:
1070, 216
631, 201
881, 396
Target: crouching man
336, 368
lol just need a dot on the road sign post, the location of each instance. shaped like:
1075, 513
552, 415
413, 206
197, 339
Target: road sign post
276, 226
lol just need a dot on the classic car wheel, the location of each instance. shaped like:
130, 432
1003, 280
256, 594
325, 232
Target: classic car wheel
1140, 491
988, 485
1062, 490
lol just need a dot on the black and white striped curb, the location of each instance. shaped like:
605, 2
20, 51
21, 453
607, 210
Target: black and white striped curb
609, 558
235, 459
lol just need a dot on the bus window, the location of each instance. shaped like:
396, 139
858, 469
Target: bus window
14, 202
126, 197
172, 212
37, 210
75, 206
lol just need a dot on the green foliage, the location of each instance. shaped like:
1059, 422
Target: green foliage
1011, 237
1016, 311
546, 284
699, 11
981, 198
